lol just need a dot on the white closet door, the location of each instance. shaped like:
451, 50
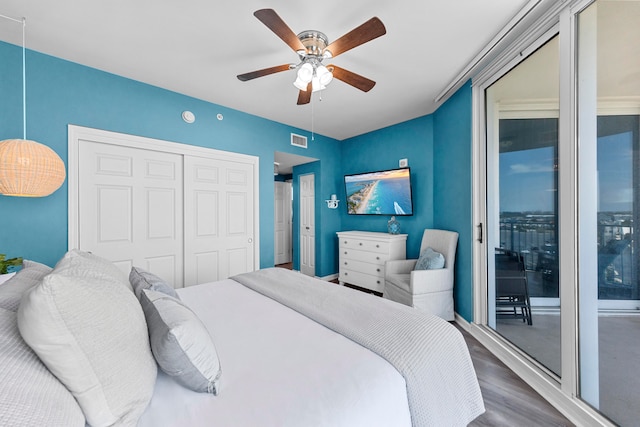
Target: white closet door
219, 219
130, 208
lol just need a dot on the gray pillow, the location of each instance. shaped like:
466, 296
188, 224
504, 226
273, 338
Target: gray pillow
12, 290
29, 394
429, 260
88, 328
181, 343
141, 279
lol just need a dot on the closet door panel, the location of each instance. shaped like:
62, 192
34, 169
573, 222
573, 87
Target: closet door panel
218, 219
130, 208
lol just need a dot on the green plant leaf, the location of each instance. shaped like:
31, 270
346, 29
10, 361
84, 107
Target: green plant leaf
6, 263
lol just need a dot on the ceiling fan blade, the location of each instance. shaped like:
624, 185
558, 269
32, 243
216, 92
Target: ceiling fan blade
270, 18
368, 31
264, 72
351, 78
304, 97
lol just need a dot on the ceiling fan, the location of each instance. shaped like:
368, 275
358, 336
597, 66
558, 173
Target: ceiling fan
312, 48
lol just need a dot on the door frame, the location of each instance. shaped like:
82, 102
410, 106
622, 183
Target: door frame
289, 226
79, 133
300, 246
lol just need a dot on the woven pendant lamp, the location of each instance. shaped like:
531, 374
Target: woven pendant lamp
28, 168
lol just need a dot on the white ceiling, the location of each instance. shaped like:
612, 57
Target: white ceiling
197, 47
286, 161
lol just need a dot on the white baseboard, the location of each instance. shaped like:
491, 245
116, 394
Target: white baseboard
571, 407
329, 277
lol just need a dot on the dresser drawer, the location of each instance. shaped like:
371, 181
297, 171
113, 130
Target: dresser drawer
356, 255
362, 255
363, 280
364, 245
362, 267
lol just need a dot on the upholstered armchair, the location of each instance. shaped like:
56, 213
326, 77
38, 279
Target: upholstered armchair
428, 290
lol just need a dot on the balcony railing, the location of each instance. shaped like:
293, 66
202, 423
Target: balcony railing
535, 237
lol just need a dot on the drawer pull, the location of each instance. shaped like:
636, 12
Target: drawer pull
377, 269
345, 252
360, 243
346, 263
346, 274
377, 246
378, 282
378, 258
346, 242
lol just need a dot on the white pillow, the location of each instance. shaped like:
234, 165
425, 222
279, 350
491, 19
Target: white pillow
89, 329
181, 343
92, 266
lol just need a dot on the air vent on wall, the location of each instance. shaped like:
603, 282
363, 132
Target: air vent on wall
298, 140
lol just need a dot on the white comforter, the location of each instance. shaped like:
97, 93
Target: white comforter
279, 368
431, 354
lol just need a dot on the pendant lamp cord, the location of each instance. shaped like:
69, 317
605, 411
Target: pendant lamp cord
24, 81
22, 21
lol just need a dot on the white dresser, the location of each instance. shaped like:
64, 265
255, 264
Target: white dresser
363, 254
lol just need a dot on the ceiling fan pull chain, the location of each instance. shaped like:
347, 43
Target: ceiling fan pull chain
312, 121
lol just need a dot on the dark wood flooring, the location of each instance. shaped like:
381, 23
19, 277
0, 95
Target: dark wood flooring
508, 400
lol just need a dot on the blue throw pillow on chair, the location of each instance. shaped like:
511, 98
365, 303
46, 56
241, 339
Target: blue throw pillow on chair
430, 260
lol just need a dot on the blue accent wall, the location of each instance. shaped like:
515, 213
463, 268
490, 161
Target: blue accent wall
382, 149
61, 93
438, 147
452, 190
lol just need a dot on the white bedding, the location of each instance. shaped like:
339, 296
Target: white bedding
279, 368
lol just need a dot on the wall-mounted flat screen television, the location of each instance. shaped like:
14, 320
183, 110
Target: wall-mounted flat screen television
379, 193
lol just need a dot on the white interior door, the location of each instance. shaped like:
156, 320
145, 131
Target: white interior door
130, 208
282, 222
307, 225
219, 218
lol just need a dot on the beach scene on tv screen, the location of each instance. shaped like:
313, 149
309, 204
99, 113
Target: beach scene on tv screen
379, 193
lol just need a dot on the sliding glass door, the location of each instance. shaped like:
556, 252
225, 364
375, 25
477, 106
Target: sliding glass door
559, 175
522, 199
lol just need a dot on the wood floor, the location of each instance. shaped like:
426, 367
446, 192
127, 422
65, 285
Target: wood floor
508, 400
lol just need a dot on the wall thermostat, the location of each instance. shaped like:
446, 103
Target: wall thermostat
403, 163
188, 116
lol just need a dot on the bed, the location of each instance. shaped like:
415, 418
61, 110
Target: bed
291, 351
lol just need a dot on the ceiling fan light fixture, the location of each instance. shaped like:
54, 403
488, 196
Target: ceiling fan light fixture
305, 73
316, 85
324, 75
300, 84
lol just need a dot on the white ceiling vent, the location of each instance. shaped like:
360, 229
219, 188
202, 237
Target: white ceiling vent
299, 140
